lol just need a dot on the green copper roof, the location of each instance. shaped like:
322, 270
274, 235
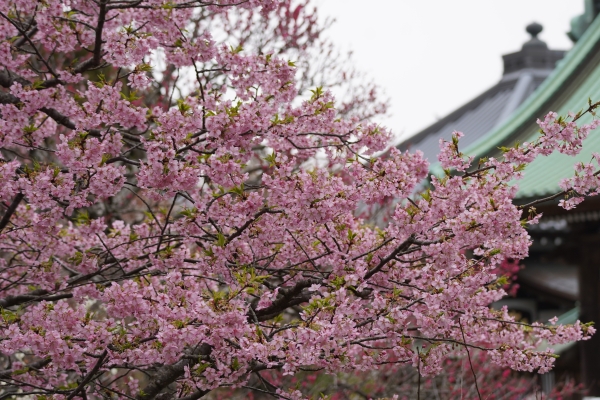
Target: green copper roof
575, 79
580, 23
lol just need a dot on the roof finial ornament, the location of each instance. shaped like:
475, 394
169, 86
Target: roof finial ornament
534, 29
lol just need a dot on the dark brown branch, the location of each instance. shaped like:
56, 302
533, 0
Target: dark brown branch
123, 159
98, 40
196, 395
89, 376
405, 245
6, 374
28, 39
36, 295
58, 117
10, 210
241, 229
373, 250
168, 374
478, 171
7, 98
21, 41
288, 299
8, 78
95, 60
543, 200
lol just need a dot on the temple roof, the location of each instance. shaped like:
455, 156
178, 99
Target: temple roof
524, 71
552, 278
575, 80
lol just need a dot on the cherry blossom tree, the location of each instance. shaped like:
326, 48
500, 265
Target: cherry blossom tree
179, 218
456, 381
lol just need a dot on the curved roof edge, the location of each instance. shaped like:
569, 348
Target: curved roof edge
530, 108
454, 115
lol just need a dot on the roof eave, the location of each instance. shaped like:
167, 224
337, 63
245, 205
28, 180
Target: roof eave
531, 108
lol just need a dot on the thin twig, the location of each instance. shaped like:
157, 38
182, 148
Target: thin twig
469, 356
418, 374
88, 376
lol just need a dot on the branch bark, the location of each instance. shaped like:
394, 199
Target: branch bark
405, 245
168, 374
6, 374
290, 298
89, 376
36, 295
10, 211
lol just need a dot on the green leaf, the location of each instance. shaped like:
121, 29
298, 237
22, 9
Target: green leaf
82, 218
201, 368
234, 111
351, 235
338, 282
236, 50
37, 84
8, 316
221, 240
238, 190
30, 129
77, 258
316, 94
143, 67
129, 97
101, 81
520, 167
105, 158
189, 212
183, 107
21, 371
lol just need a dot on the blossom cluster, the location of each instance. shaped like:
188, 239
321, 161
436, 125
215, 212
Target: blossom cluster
187, 237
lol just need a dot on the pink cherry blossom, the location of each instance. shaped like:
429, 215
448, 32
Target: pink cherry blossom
179, 209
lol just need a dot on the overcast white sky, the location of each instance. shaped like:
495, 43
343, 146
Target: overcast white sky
433, 56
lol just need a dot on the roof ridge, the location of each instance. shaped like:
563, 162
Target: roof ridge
551, 85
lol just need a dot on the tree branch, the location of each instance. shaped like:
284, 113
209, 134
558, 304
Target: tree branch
405, 245
7, 79
6, 374
196, 395
89, 376
11, 210
168, 374
288, 299
36, 295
